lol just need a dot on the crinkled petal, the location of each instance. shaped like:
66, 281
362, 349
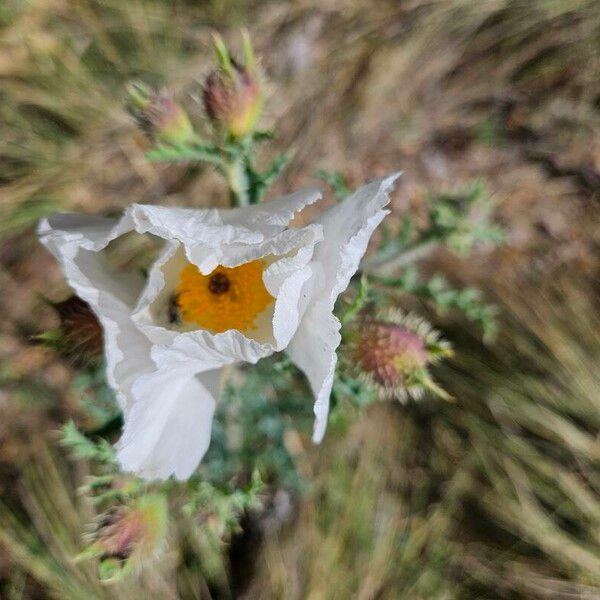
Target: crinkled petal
168, 429
286, 279
213, 236
347, 228
204, 351
313, 350
87, 231
191, 226
74, 240
232, 255
272, 216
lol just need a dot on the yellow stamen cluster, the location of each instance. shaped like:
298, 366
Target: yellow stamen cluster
227, 298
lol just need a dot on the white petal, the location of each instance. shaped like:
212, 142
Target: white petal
286, 279
272, 216
75, 241
312, 350
347, 228
204, 351
232, 255
89, 232
191, 226
207, 233
168, 430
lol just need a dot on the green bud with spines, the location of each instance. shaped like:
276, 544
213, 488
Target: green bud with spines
129, 537
159, 116
232, 93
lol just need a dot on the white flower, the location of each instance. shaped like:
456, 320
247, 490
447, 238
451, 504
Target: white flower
228, 286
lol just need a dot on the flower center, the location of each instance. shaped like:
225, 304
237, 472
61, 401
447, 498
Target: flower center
227, 298
219, 283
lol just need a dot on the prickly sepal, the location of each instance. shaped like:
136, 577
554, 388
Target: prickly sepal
392, 351
79, 336
129, 537
159, 116
232, 93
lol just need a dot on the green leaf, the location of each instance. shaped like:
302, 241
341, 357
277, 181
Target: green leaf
276, 168
336, 180
264, 135
361, 298
260, 182
444, 298
84, 448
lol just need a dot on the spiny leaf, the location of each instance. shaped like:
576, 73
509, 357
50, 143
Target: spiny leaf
336, 180
84, 448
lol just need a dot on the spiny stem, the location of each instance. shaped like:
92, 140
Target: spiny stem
385, 265
358, 303
237, 180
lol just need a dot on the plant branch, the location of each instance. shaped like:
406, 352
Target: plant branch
237, 180
386, 264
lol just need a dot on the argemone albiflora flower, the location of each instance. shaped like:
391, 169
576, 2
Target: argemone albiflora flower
228, 286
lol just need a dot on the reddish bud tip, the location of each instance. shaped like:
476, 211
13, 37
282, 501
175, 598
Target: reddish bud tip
232, 94
79, 336
159, 116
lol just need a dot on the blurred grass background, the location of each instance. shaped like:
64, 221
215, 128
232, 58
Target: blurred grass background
494, 496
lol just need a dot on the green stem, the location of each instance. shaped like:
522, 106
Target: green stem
385, 265
235, 174
358, 303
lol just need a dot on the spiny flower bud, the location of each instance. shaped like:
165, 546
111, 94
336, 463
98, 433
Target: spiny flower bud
79, 336
129, 537
159, 116
232, 93
392, 351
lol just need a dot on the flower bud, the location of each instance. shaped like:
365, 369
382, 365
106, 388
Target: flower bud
79, 336
129, 537
393, 352
232, 93
159, 116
